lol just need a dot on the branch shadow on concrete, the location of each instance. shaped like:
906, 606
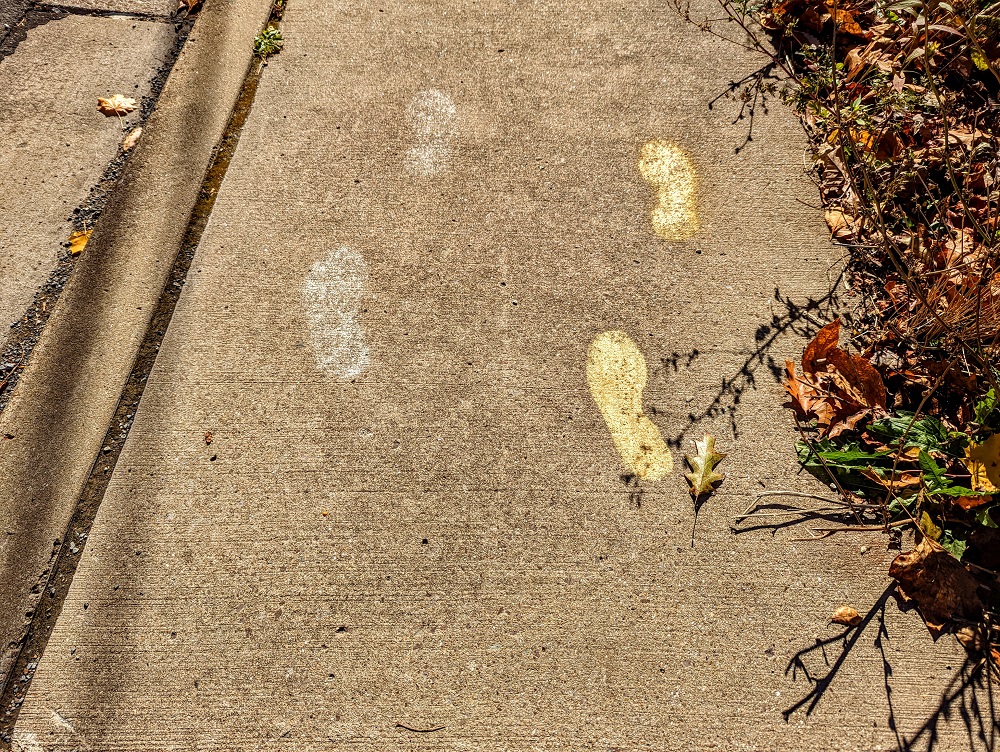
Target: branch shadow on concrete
968, 694
801, 319
751, 92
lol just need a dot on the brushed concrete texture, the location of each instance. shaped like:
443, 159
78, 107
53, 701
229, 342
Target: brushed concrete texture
151, 7
62, 407
442, 537
54, 144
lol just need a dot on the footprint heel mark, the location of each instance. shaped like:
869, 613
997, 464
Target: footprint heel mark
332, 296
669, 170
617, 376
431, 116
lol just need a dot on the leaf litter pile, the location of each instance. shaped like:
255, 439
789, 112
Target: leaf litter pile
898, 406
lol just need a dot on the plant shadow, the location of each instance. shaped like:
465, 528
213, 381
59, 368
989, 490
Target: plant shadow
789, 317
968, 694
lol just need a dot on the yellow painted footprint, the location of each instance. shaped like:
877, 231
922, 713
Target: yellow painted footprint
671, 173
617, 375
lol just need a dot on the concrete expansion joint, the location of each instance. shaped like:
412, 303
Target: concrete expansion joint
73, 10
26, 331
51, 585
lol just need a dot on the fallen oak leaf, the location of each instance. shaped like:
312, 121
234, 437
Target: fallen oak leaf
117, 104
853, 386
801, 391
938, 584
703, 477
847, 616
78, 241
971, 502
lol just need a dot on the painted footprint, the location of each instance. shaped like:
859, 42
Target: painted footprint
431, 116
671, 173
617, 375
332, 296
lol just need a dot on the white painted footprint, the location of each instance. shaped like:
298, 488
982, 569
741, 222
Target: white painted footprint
431, 116
332, 295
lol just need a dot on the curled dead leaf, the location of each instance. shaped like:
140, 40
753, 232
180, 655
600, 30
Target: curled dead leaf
117, 104
840, 224
131, 139
847, 616
844, 21
939, 585
838, 388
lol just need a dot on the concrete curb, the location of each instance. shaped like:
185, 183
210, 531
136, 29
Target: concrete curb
52, 431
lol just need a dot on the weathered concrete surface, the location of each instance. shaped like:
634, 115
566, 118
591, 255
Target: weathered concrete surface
54, 144
411, 511
152, 7
62, 408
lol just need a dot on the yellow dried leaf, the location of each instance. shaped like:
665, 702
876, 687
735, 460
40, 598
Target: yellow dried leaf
983, 463
78, 241
117, 104
847, 616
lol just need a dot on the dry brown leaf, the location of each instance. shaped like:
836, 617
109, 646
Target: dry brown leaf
78, 241
971, 502
898, 481
131, 139
938, 584
845, 21
847, 616
801, 391
117, 104
847, 386
209, 437
839, 224
189, 5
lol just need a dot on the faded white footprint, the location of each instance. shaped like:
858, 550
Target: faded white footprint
332, 296
431, 116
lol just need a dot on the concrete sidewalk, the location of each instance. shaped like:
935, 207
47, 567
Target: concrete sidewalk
55, 147
382, 490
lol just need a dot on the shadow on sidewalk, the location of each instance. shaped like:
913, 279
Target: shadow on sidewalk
967, 695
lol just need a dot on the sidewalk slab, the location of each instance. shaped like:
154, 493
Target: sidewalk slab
53, 430
54, 144
368, 500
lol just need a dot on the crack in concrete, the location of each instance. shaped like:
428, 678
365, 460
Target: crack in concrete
55, 583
